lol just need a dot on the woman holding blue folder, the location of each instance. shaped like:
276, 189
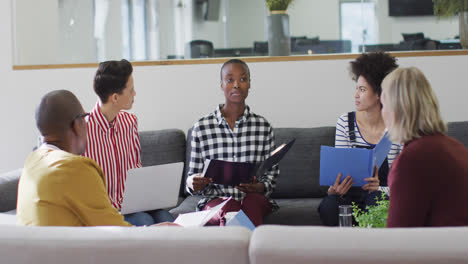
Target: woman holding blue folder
362, 128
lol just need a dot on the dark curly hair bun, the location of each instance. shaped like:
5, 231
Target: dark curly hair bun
373, 66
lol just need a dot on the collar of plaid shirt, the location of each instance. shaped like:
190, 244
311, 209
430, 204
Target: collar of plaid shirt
220, 118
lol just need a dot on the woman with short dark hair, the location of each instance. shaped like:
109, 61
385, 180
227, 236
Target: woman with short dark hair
113, 140
232, 132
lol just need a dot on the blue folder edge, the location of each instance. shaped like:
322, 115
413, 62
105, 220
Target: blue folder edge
241, 219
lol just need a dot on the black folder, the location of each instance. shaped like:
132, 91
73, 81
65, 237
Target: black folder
234, 173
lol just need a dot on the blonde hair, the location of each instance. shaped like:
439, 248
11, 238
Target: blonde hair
415, 107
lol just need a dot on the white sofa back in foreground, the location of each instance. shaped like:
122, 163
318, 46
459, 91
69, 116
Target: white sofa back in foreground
267, 244
123, 245
294, 245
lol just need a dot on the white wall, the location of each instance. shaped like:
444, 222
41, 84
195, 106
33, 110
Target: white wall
313, 18
166, 25
207, 30
30, 32
75, 34
289, 94
245, 23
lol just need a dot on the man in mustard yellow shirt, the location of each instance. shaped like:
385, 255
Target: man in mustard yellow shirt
58, 186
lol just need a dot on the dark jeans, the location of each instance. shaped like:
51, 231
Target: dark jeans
149, 217
328, 208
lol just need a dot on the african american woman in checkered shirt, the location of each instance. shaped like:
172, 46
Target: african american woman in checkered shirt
233, 133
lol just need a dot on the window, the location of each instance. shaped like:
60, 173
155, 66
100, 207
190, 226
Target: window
358, 23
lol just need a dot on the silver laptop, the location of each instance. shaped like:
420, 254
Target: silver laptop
152, 187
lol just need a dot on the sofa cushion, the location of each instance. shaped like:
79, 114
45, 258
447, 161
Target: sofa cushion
302, 211
459, 131
162, 147
299, 169
9, 190
188, 205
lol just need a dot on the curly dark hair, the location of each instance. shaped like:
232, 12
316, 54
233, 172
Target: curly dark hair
373, 66
111, 77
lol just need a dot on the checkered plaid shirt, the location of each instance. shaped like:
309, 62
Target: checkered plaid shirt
252, 140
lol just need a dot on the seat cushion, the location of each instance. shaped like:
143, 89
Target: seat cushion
299, 169
458, 130
302, 211
188, 205
163, 147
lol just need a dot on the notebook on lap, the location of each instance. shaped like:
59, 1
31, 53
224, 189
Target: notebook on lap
152, 187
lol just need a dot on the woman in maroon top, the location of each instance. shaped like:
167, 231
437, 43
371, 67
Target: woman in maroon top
429, 179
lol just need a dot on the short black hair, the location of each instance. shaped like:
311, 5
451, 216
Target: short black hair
56, 111
111, 77
235, 61
373, 66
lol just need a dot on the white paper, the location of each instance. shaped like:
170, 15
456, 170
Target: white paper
191, 219
205, 167
197, 219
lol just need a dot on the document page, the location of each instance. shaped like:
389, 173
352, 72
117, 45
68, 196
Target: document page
200, 218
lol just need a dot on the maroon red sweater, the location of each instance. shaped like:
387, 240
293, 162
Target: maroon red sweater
429, 184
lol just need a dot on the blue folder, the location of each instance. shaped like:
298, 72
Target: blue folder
356, 162
241, 219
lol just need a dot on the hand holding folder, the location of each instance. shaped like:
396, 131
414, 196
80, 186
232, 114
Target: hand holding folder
357, 162
235, 173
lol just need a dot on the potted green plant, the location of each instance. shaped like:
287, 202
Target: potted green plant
375, 216
279, 40
278, 5
449, 8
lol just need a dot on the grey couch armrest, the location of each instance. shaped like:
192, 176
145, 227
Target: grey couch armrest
9, 190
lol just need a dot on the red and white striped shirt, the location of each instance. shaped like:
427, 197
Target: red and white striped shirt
115, 147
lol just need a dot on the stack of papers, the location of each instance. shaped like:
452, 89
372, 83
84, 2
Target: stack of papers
200, 218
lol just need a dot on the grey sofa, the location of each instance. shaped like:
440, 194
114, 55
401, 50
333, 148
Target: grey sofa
298, 192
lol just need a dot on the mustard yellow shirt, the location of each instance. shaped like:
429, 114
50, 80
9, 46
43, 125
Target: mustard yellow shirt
58, 188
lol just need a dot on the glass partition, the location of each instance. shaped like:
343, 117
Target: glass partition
87, 31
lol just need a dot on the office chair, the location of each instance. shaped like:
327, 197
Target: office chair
199, 49
260, 48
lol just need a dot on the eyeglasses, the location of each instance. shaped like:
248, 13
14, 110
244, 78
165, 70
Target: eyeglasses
79, 116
